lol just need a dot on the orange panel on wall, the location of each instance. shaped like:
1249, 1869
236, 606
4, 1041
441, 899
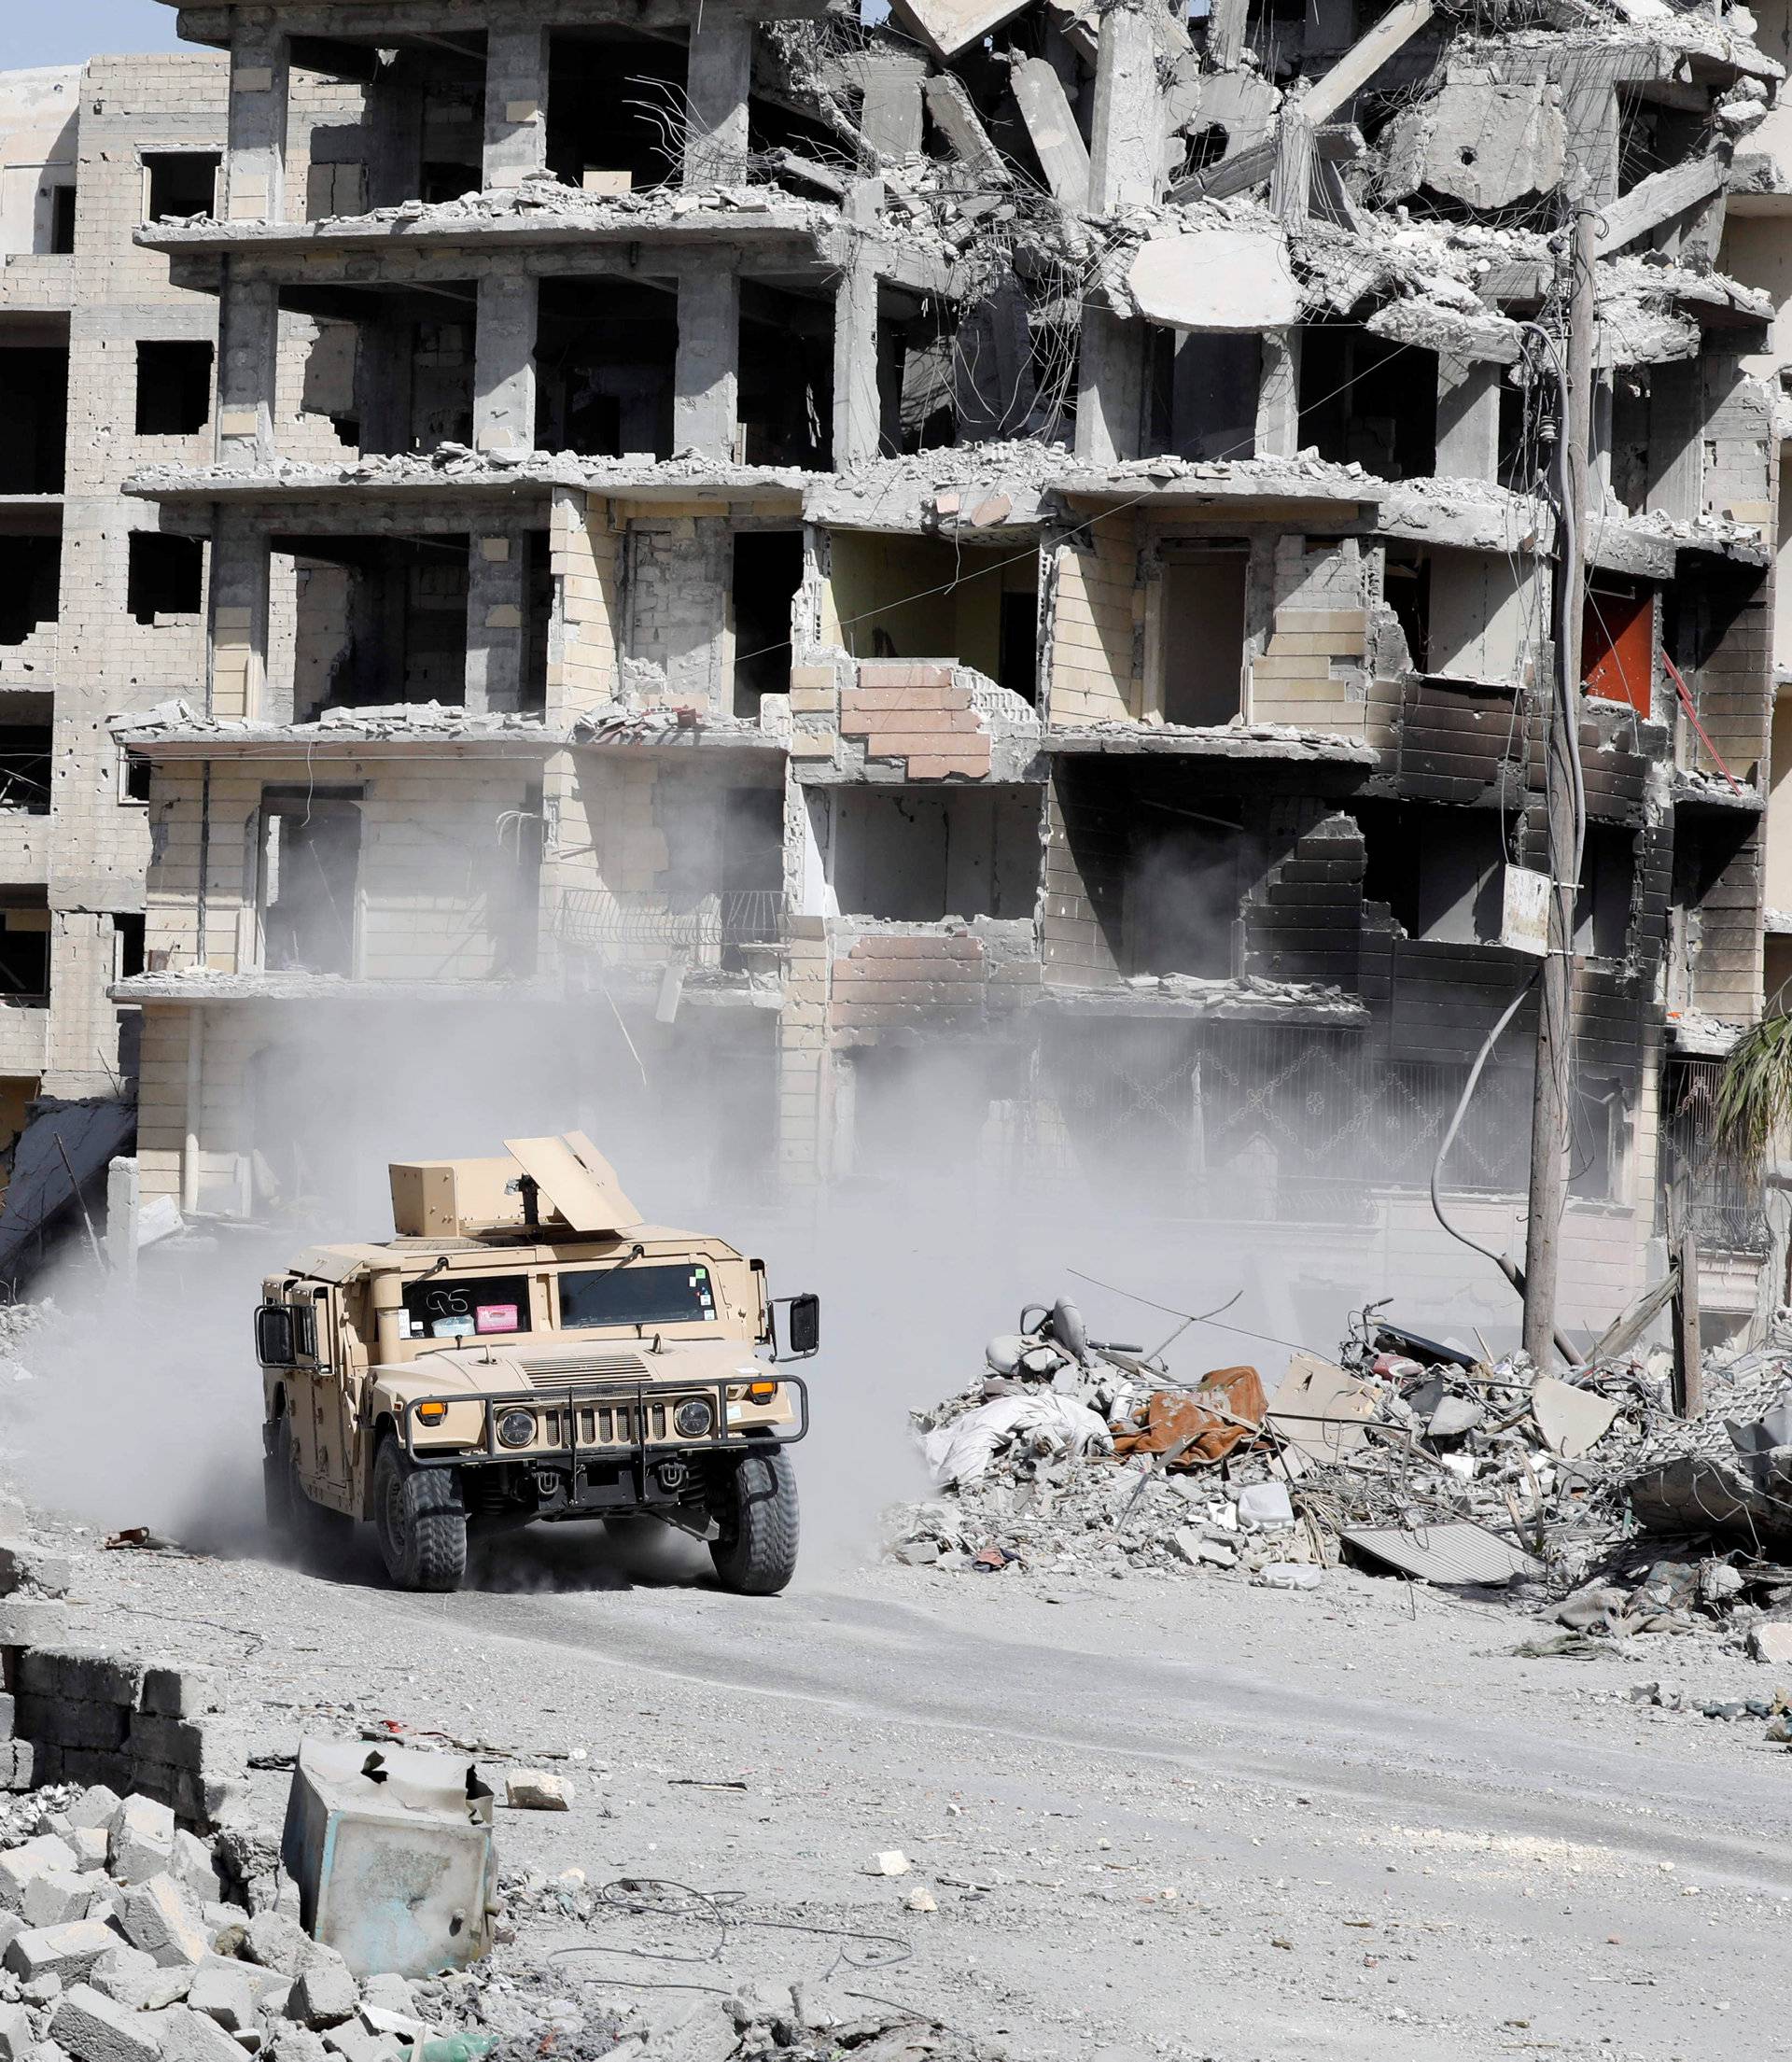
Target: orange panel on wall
1617, 643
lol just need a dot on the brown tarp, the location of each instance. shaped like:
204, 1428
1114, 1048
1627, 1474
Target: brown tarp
1188, 1433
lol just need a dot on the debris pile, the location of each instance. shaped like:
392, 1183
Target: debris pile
1584, 1493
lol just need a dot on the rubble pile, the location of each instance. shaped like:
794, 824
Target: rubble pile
1584, 1495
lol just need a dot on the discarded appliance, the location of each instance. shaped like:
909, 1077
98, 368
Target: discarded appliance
392, 1852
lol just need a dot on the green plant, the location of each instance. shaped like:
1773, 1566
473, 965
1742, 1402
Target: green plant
1754, 1090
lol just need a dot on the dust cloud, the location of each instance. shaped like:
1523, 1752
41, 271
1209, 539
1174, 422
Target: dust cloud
958, 1208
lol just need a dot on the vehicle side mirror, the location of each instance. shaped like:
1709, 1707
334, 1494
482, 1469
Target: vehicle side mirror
802, 1328
273, 1341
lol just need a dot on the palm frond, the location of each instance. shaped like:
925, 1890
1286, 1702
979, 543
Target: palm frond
1754, 1090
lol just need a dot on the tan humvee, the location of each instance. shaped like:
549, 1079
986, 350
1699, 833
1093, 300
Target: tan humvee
526, 1348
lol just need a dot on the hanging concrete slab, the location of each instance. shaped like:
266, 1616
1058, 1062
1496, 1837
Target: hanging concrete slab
950, 26
1228, 280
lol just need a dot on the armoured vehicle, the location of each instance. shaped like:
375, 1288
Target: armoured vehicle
525, 1347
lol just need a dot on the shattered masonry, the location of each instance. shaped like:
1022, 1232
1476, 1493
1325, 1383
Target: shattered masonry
1017, 533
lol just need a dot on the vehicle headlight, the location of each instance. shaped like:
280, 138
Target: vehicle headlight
695, 1417
516, 1428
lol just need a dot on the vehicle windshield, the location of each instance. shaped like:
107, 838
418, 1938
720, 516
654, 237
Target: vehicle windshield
681, 1294
465, 1306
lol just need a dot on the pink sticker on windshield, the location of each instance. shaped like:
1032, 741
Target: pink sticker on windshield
495, 1317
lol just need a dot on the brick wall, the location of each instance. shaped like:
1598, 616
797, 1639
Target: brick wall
1095, 615
913, 714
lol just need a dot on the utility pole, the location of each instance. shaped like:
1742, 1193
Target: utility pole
1553, 1086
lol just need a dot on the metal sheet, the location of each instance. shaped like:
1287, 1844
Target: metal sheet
577, 1180
1445, 1553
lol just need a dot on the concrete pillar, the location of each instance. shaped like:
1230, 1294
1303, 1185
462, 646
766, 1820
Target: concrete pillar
516, 104
890, 117
856, 410
1279, 395
496, 621
257, 134
238, 685
504, 363
1468, 418
717, 83
706, 378
1125, 155
123, 1207
249, 357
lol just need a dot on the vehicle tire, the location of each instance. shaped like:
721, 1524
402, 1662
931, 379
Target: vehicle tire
421, 1520
279, 1484
754, 1505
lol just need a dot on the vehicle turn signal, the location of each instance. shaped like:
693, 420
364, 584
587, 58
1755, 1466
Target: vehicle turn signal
431, 1413
761, 1392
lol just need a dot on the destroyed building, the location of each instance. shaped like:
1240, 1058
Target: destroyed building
105, 366
1001, 554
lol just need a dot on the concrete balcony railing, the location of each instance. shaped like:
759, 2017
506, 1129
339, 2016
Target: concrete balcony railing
24, 1037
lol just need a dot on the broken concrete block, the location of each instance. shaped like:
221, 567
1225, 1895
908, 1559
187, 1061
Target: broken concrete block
1772, 1641
324, 1996
162, 1919
355, 2043
65, 1951
187, 2036
142, 1841
536, 1790
95, 1808
15, 2037
192, 1867
55, 1896
92, 2027
89, 1845
1486, 144
135, 1980
31, 1621
297, 2045
22, 1866
223, 1991
278, 1942
401, 2025
390, 1992
25, 1566
178, 1693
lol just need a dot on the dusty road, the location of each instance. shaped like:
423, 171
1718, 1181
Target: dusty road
1186, 1818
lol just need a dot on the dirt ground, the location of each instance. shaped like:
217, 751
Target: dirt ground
1157, 1818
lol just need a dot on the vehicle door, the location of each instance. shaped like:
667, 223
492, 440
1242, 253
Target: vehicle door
320, 1419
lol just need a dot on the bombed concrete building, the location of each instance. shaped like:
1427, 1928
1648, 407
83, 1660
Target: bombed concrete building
105, 366
995, 561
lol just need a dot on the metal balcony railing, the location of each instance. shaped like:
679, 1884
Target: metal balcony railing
734, 917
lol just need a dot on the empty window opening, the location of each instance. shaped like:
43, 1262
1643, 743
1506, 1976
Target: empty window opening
135, 772
1202, 635
127, 945
928, 597
179, 183
421, 132
24, 767
1212, 383
34, 403
1405, 587
1651, 138
31, 571
538, 616
604, 353
24, 946
939, 1098
379, 621
61, 220
1715, 623
919, 412
1205, 146
1440, 873
615, 109
786, 377
775, 125
1607, 882
767, 572
174, 389
1364, 399
1017, 633
914, 855
1618, 641
166, 576
1599, 1131
308, 884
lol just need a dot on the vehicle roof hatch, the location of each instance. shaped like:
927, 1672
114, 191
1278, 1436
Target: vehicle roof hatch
576, 1178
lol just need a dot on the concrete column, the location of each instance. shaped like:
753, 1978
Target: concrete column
1126, 156
890, 113
856, 410
706, 378
495, 572
1279, 395
123, 1207
1468, 418
504, 363
237, 685
257, 132
717, 83
248, 356
516, 104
